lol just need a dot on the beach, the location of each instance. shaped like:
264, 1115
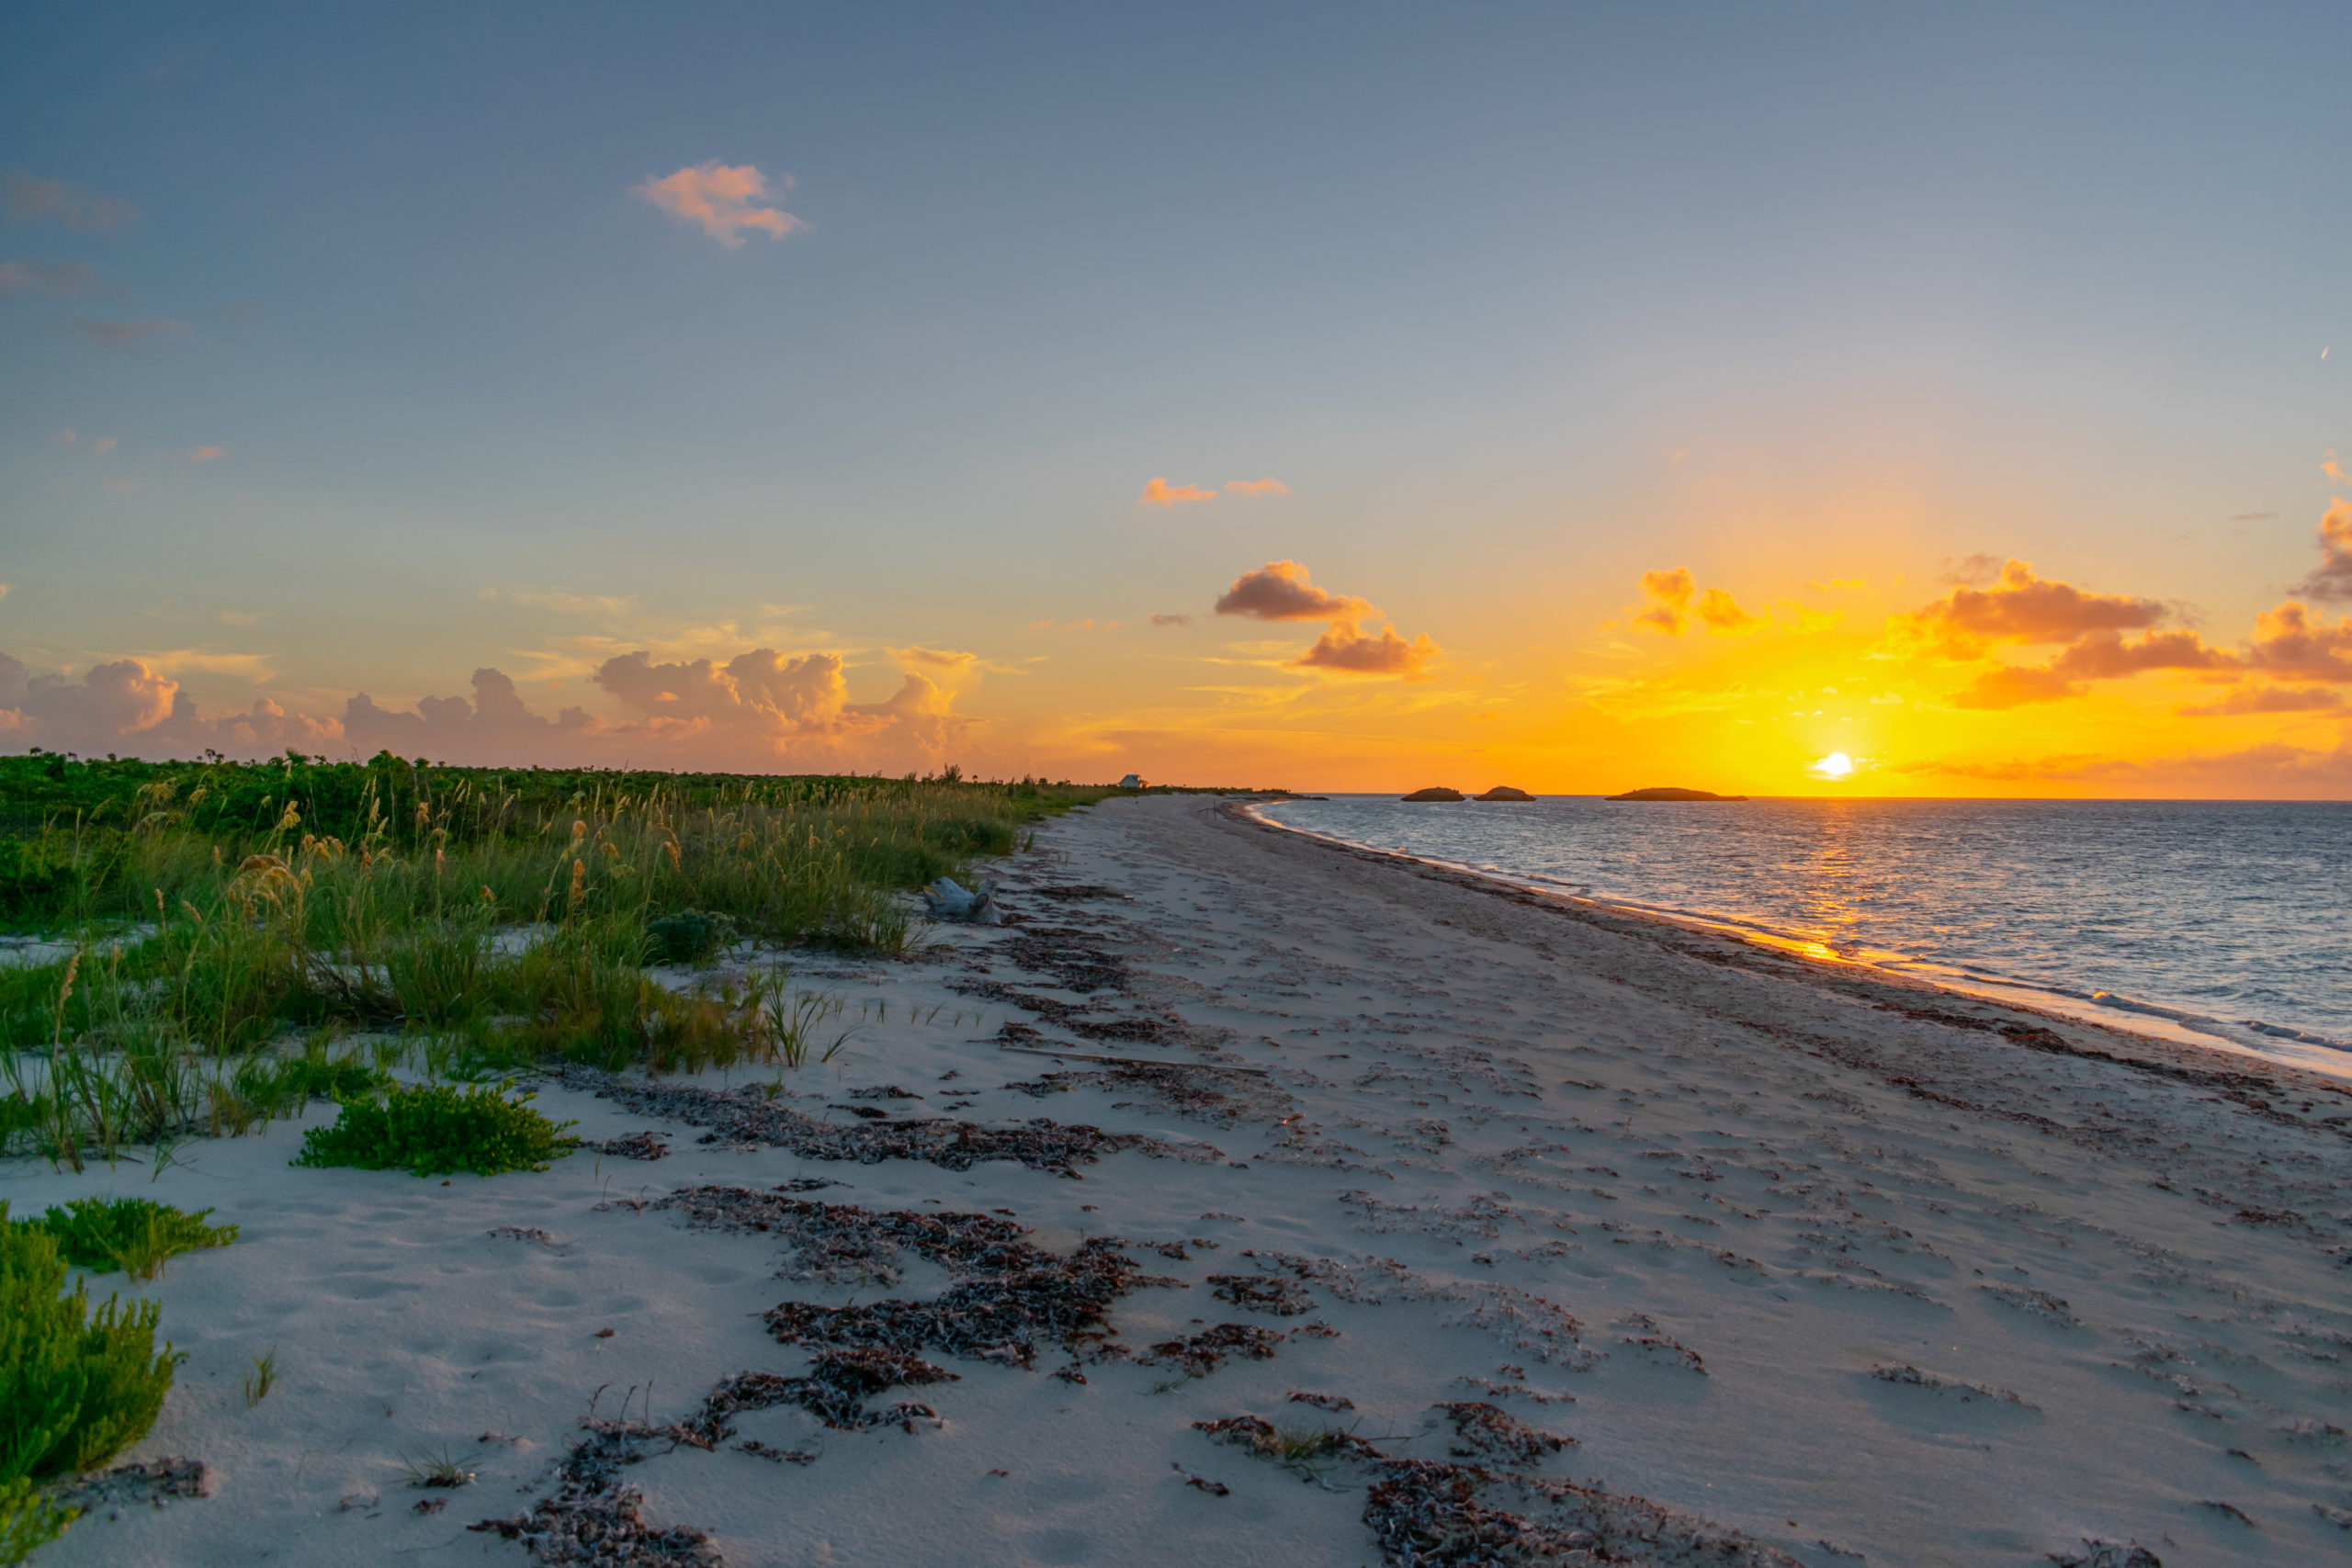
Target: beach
1579, 1233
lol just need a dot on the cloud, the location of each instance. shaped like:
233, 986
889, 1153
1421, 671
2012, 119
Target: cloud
1279, 590
2105, 656
722, 198
206, 454
1172, 619
125, 335
1088, 625
2332, 578
2288, 640
1344, 647
2022, 608
52, 280
1267, 486
1671, 591
1969, 571
2267, 699
1158, 492
33, 200
242, 618
128, 705
562, 603
495, 726
103, 445
1675, 599
2333, 469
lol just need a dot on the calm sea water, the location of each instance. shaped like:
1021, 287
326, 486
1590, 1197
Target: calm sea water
2232, 921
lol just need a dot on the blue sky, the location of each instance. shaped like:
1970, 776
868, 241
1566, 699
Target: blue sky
1517, 303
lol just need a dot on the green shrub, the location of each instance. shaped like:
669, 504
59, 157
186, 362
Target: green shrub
690, 936
129, 1234
28, 1518
76, 1387
433, 1130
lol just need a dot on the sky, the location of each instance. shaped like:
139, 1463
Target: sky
1788, 400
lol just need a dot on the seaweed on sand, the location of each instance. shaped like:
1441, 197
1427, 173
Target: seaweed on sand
1262, 1293
1200, 1354
746, 1119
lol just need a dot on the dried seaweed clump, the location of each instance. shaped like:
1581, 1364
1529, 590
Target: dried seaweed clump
1426, 1513
1200, 1354
1520, 1320
594, 1519
637, 1145
835, 1389
1488, 1431
743, 1118
842, 1244
1221, 1095
1262, 1293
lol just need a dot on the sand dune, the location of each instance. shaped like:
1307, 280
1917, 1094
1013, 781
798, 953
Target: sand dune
1571, 1230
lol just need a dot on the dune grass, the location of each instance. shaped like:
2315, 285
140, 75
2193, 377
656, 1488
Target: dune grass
130, 1233
234, 927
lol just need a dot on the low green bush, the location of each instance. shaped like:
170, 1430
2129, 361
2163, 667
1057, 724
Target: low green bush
690, 936
129, 1234
432, 1130
76, 1387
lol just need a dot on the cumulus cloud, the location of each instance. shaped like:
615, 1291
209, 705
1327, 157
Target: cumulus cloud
2013, 686
1159, 492
126, 335
1971, 571
1675, 599
52, 280
128, 705
722, 198
762, 690
2267, 699
2289, 640
1174, 618
35, 200
497, 726
1345, 649
2022, 608
1267, 486
2332, 578
1279, 590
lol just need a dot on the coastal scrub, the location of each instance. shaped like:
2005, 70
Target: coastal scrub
435, 1129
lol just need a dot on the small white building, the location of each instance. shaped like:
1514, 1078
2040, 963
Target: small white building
1133, 781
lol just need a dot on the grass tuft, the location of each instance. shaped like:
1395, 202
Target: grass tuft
432, 1130
129, 1234
264, 1379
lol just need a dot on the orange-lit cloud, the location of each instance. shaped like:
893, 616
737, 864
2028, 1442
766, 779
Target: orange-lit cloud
126, 335
2333, 469
1675, 600
2288, 640
54, 280
1160, 493
2022, 608
1345, 649
1173, 618
2332, 578
1279, 590
206, 454
103, 445
2267, 699
723, 199
1267, 486
34, 201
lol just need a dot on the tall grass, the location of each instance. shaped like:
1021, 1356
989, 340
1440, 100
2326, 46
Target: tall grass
224, 942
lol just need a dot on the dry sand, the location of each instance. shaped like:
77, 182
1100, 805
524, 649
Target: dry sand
1803, 1265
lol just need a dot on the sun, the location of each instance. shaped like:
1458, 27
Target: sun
1837, 765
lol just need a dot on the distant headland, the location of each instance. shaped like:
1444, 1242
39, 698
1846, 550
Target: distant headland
1671, 793
1436, 792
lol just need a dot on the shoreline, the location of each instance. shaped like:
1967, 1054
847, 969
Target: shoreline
2152, 1024
1621, 1228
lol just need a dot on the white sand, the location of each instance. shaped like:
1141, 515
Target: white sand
1576, 1154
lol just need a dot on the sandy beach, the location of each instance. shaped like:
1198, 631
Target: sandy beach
1251, 1199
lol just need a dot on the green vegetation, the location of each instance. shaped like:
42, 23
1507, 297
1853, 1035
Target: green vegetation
264, 1379
76, 1387
434, 1129
233, 925
129, 1234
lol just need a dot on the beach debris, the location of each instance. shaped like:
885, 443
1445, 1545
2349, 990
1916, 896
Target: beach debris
1198, 1355
593, 1518
1937, 1382
637, 1145
1488, 1431
1076, 891
950, 900
1262, 1293
1213, 1488
834, 1390
1523, 1322
430, 1505
883, 1091
1321, 1401
1224, 1096
151, 1482
2098, 1553
1430, 1514
1647, 1335
521, 1232
743, 1118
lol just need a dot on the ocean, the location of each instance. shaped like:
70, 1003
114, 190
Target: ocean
2224, 923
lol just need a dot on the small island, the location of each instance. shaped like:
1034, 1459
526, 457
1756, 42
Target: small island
1437, 792
1504, 791
1671, 793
